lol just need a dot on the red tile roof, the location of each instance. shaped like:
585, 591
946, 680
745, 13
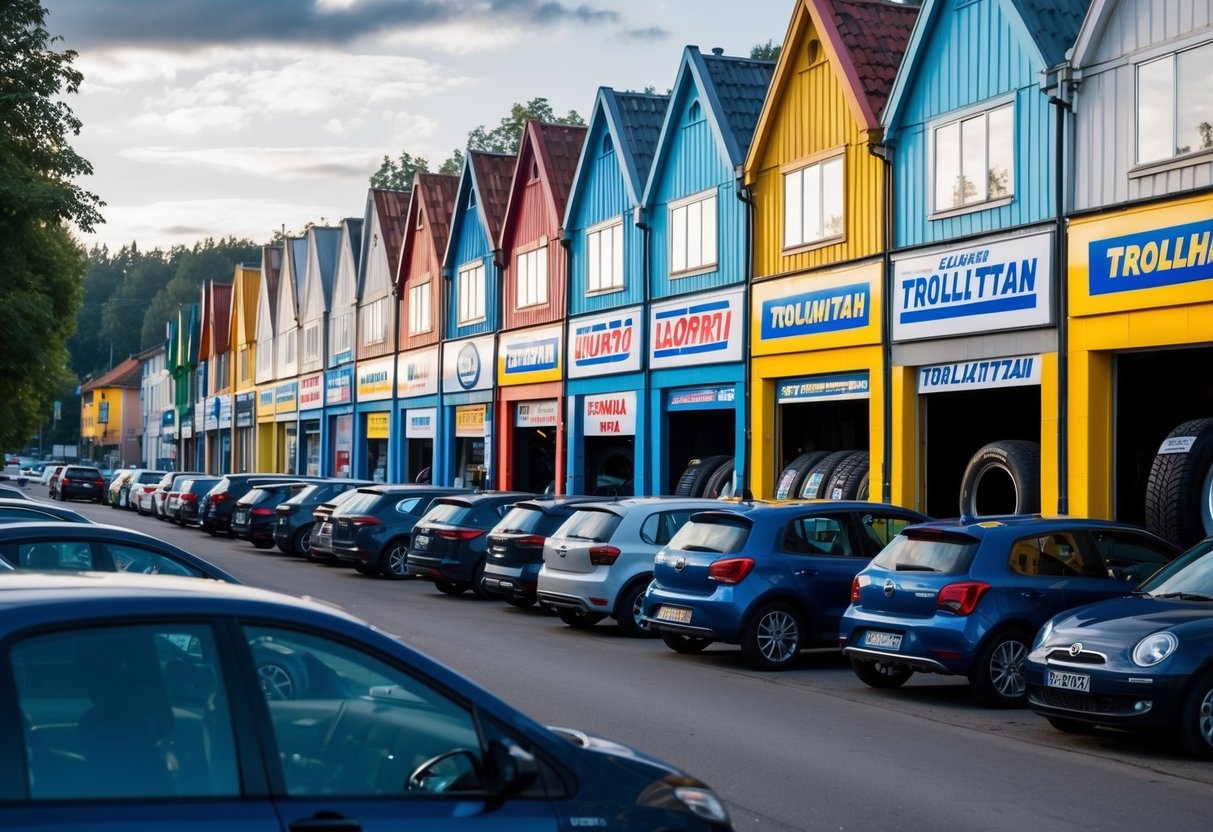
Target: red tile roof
220, 317
393, 208
434, 195
875, 34
127, 374
559, 149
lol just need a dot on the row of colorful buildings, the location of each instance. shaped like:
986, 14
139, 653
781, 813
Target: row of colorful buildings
922, 230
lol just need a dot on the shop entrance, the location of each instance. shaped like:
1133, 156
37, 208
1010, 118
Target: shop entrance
418, 453
470, 471
534, 460
697, 434
610, 465
311, 449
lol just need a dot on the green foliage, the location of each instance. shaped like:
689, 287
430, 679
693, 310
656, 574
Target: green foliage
454, 165
768, 51
507, 135
398, 175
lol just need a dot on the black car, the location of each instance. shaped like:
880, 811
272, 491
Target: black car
30, 511
80, 482
294, 520
215, 514
450, 543
255, 512
187, 498
515, 546
373, 527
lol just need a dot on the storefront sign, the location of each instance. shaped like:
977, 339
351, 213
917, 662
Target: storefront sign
538, 414
1003, 285
245, 406
421, 423
469, 420
530, 356
611, 414
417, 373
311, 392
824, 388
378, 425
605, 344
286, 397
705, 329
467, 365
698, 397
218, 412
1149, 259
375, 380
812, 313
265, 401
338, 386
1018, 371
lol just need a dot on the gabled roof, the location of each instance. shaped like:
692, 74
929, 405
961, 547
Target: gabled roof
633, 121
433, 196
271, 267
1048, 28
393, 208
556, 149
733, 91
489, 176
127, 374
221, 317
327, 240
298, 266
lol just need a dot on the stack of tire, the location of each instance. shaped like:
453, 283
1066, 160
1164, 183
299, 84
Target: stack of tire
710, 476
825, 475
1179, 491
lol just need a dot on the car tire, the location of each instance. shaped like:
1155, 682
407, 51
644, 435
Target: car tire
793, 475
715, 484
301, 542
690, 484
816, 483
1071, 726
579, 620
1179, 490
629, 609
707, 468
849, 476
1196, 718
450, 587
394, 559
882, 675
280, 672
773, 637
684, 644
996, 679
478, 582
1016, 459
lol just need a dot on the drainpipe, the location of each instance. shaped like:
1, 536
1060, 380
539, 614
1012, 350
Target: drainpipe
646, 233
884, 153
562, 447
1056, 82
747, 199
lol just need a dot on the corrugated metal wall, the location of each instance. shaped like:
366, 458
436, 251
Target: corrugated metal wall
534, 221
422, 265
471, 243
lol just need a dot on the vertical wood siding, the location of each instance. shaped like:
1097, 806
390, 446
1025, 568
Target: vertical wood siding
534, 220
422, 262
471, 243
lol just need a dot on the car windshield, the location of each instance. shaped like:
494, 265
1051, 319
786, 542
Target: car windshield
590, 524
1190, 574
718, 534
917, 552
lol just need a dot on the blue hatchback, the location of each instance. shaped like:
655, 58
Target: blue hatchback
772, 577
966, 597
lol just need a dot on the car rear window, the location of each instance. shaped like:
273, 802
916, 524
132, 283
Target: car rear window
594, 524
254, 497
910, 551
83, 472
360, 502
199, 486
450, 513
521, 520
150, 477
717, 533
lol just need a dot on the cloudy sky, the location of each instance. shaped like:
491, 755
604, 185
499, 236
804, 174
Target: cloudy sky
238, 117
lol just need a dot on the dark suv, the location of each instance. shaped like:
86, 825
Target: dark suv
81, 482
294, 520
450, 542
254, 515
191, 493
966, 597
515, 546
373, 527
215, 514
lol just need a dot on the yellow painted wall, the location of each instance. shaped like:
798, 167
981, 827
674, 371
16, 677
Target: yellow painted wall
90, 428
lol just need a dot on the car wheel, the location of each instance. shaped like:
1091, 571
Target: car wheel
1071, 726
997, 676
301, 543
773, 637
394, 562
629, 610
579, 620
886, 675
450, 587
1196, 718
280, 673
478, 581
687, 645
520, 603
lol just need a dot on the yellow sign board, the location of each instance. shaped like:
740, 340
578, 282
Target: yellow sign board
469, 420
378, 425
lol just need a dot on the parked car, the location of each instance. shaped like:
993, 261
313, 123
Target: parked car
372, 529
450, 543
515, 546
598, 564
367, 732
215, 514
28, 511
59, 545
48, 471
1140, 662
141, 489
773, 578
114, 487
183, 502
966, 597
159, 495
254, 515
12, 492
321, 544
294, 518
80, 482
53, 481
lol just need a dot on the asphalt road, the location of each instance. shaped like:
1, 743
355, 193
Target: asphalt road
807, 749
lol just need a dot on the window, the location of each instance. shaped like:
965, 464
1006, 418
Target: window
879, 529
604, 258
1174, 107
693, 234
974, 159
68, 555
658, 528
127, 558
531, 278
471, 293
343, 333
812, 203
286, 349
419, 308
244, 363
265, 358
817, 536
374, 322
311, 342
1052, 555
1128, 556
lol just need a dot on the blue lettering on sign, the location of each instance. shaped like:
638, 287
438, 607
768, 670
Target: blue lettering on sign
966, 285
977, 373
467, 366
532, 356
1149, 259
809, 313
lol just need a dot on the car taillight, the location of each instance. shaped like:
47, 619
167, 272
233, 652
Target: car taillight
365, 520
65, 481
855, 590
459, 534
188, 498
99, 483
148, 489
531, 541
604, 555
730, 570
216, 499
262, 512
961, 598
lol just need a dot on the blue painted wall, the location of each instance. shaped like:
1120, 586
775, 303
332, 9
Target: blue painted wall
469, 243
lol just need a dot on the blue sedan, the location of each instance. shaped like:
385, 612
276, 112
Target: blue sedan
1143, 662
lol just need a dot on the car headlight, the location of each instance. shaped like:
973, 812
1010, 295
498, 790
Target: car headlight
1154, 648
685, 794
1043, 635
703, 803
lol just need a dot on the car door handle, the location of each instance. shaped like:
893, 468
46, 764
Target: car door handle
1031, 594
807, 572
326, 822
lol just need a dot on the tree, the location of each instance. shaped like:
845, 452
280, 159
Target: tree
507, 135
42, 264
398, 176
768, 51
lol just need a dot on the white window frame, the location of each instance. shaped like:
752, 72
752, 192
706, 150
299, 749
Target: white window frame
970, 121
265, 358
531, 277
286, 349
374, 322
1156, 125
692, 237
604, 257
343, 333
419, 308
806, 190
311, 342
471, 291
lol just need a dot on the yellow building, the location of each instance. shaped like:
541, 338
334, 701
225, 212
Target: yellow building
246, 284
111, 422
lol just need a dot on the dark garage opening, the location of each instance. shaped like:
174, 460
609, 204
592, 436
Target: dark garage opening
820, 426
695, 434
610, 465
534, 462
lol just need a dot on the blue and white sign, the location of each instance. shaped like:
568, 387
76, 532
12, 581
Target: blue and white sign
1002, 285
702, 398
421, 423
467, 365
604, 344
825, 388
1017, 371
812, 313
1149, 259
696, 330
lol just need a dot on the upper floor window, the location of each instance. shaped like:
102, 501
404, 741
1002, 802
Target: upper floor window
812, 203
374, 322
419, 308
604, 257
265, 357
343, 333
311, 342
693, 233
531, 278
974, 159
286, 347
244, 364
1174, 110
471, 293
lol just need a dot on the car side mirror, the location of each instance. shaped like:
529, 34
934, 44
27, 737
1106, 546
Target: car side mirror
511, 769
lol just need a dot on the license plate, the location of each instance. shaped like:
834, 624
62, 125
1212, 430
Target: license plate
87, 484
678, 615
1068, 681
885, 641
421, 541
241, 516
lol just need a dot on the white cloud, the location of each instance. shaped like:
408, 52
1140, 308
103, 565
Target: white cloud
193, 120
284, 163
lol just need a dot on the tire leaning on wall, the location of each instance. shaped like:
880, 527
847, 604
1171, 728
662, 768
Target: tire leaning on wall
850, 479
1179, 491
1018, 459
718, 482
793, 476
694, 478
816, 484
